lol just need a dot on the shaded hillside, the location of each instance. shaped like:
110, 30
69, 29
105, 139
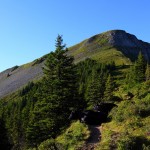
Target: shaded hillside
115, 45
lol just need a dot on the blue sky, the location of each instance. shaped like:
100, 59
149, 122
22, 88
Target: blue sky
28, 28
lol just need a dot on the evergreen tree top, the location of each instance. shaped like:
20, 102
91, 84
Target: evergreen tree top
59, 43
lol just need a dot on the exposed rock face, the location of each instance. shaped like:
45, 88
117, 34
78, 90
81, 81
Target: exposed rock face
128, 43
123, 39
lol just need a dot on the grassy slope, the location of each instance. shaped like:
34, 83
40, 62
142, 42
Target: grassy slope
74, 136
129, 127
97, 48
130, 121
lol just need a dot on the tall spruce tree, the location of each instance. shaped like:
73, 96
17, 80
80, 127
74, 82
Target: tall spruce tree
59, 94
60, 73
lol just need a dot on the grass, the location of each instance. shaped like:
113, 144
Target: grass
97, 48
116, 135
74, 136
111, 54
129, 128
26, 65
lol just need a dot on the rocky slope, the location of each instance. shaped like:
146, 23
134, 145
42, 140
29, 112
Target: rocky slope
14, 78
115, 45
129, 44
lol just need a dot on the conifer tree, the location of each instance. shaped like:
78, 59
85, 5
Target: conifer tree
60, 73
59, 94
4, 141
147, 73
109, 87
140, 67
130, 76
95, 89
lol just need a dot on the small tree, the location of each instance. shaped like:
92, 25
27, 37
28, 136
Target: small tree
147, 73
4, 141
140, 67
95, 89
109, 87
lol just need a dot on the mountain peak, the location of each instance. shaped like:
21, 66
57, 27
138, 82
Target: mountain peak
128, 44
123, 39
115, 31
119, 38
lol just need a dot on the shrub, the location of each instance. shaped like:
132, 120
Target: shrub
128, 142
125, 110
75, 136
50, 144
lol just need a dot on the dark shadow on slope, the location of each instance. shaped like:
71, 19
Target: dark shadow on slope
95, 134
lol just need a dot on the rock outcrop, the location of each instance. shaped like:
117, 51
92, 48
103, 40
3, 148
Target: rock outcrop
128, 44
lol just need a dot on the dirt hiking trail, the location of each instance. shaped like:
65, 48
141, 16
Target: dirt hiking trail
94, 138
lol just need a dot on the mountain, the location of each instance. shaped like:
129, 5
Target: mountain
115, 45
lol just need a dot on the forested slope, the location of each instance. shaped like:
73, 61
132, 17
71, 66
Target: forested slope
36, 116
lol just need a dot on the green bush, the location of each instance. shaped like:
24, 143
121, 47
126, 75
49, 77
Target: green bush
50, 144
146, 147
128, 142
124, 111
74, 136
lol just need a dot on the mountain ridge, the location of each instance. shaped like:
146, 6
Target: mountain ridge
119, 39
114, 45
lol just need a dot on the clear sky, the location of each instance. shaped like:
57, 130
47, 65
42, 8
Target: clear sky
28, 28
